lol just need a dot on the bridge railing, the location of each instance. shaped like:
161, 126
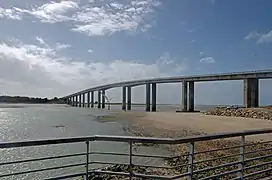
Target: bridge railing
231, 157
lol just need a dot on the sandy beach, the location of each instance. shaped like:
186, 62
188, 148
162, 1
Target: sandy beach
169, 124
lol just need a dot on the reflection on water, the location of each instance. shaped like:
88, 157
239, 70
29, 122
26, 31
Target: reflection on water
31, 122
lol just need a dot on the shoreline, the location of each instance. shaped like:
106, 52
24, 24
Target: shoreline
174, 125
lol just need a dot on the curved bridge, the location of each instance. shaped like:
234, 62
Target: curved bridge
251, 89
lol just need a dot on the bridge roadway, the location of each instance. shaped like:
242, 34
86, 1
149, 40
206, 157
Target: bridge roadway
250, 78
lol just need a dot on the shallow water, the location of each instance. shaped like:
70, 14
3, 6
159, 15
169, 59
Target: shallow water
31, 122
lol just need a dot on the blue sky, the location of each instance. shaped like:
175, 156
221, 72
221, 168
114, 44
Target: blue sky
53, 48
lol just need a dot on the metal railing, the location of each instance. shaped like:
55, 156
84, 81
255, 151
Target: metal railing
243, 160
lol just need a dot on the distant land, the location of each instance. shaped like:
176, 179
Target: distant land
32, 100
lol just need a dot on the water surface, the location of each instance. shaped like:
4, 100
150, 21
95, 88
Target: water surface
31, 122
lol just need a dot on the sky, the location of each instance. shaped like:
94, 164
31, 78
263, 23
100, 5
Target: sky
54, 48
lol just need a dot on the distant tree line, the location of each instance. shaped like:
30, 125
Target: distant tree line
22, 99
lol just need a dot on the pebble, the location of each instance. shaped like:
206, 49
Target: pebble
241, 112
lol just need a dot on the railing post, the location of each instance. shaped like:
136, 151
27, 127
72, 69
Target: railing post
241, 165
191, 160
130, 161
87, 160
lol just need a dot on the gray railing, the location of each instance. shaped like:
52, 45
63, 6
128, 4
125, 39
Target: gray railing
243, 160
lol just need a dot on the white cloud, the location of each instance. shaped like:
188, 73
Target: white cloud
45, 70
253, 35
165, 59
10, 14
90, 51
207, 60
265, 38
60, 46
260, 37
41, 41
93, 19
51, 12
115, 17
167, 62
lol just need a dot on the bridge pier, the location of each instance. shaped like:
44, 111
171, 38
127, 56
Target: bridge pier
147, 97
88, 99
76, 101
83, 99
251, 92
129, 98
92, 99
154, 97
124, 98
184, 100
103, 98
191, 96
79, 103
99, 99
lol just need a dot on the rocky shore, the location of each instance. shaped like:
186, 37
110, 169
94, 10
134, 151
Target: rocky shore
256, 113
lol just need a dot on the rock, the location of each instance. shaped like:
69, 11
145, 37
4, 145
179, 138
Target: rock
241, 112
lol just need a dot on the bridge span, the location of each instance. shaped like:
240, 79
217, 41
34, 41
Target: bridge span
250, 78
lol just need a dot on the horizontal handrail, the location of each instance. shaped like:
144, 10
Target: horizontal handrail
42, 159
134, 139
188, 162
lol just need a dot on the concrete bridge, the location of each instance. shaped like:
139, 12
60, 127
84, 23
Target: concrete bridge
251, 89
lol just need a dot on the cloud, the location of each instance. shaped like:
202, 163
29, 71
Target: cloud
41, 41
253, 35
92, 19
167, 62
60, 46
10, 14
208, 60
260, 37
41, 68
265, 38
90, 51
115, 17
52, 12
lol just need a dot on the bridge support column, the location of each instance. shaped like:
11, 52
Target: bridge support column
83, 100
99, 99
124, 98
191, 96
129, 98
103, 98
251, 93
184, 95
76, 101
147, 97
88, 99
79, 104
92, 99
154, 97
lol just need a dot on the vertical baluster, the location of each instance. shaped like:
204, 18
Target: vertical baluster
240, 174
87, 160
191, 161
130, 160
